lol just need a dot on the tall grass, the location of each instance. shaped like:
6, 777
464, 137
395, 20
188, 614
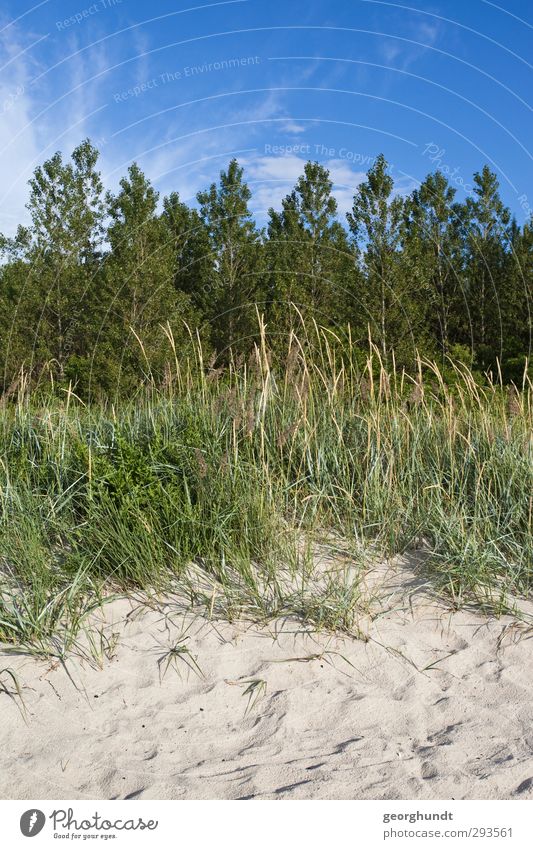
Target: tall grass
219, 485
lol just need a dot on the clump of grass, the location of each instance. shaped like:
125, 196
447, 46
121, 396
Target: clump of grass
216, 484
177, 654
256, 690
11, 687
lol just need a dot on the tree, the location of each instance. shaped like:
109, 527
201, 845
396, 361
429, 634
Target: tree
517, 307
310, 260
486, 229
432, 241
234, 287
376, 224
191, 251
97, 291
61, 252
139, 297
16, 326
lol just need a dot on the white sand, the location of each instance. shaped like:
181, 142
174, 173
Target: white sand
385, 729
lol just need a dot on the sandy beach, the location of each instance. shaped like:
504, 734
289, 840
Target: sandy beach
434, 704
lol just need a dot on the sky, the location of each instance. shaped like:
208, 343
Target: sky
182, 86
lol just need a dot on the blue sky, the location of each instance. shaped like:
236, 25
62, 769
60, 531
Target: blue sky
183, 86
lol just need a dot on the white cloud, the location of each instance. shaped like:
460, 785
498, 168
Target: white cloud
286, 168
345, 181
403, 54
390, 50
293, 127
273, 177
427, 32
16, 156
37, 119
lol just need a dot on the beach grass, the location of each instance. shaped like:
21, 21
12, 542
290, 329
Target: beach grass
220, 484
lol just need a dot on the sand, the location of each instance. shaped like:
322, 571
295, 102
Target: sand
434, 705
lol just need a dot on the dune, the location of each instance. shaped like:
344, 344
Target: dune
433, 704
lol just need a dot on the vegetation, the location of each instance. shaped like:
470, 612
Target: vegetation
220, 485
85, 289
193, 405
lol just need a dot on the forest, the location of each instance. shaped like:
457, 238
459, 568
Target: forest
102, 291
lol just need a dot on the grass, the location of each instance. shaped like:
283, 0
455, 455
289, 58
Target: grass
219, 485
12, 688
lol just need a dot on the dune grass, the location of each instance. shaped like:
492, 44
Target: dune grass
219, 484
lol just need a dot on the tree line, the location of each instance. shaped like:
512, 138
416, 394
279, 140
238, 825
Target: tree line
103, 289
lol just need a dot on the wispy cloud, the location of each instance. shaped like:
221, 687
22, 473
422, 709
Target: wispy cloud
403, 53
293, 127
16, 106
43, 110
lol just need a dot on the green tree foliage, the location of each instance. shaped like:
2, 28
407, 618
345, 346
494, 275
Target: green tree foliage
311, 262
235, 281
54, 263
101, 292
140, 297
17, 317
517, 308
191, 251
487, 233
432, 243
387, 302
